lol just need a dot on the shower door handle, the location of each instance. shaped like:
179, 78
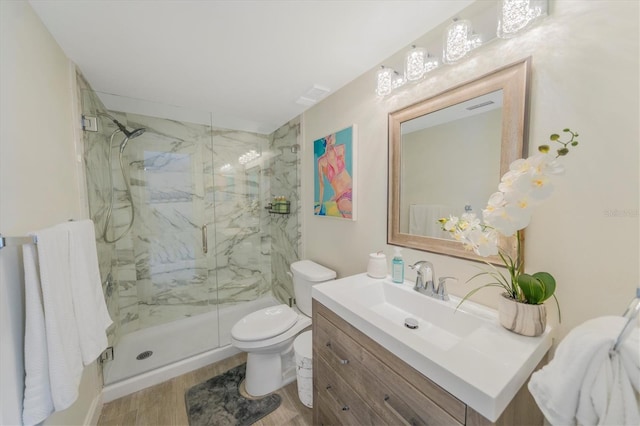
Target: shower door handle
205, 245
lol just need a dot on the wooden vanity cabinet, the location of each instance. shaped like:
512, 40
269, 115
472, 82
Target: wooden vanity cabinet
358, 382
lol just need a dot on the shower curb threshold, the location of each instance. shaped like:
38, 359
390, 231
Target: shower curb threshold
128, 386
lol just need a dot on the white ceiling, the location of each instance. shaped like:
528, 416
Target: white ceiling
246, 62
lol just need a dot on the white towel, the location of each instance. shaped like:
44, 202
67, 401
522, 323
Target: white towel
63, 346
583, 384
423, 219
37, 404
92, 317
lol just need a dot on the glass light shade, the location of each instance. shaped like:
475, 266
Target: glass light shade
383, 81
414, 64
430, 64
516, 15
458, 41
397, 81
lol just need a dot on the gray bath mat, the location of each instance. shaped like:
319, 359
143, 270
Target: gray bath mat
218, 402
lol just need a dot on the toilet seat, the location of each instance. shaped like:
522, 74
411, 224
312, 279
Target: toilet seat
264, 323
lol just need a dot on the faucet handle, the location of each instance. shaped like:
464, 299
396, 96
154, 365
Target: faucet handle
420, 277
442, 288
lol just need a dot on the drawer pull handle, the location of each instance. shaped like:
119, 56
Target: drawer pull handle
345, 408
341, 360
400, 417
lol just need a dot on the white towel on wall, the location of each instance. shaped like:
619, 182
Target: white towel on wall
65, 359
92, 317
583, 385
37, 404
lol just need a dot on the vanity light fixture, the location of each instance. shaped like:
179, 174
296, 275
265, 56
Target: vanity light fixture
397, 80
414, 63
417, 63
515, 16
459, 40
384, 81
430, 63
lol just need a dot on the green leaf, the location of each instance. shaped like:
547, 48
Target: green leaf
563, 151
543, 149
574, 143
548, 284
566, 130
532, 288
554, 137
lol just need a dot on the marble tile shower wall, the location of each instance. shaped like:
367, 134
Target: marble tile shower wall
183, 176
285, 230
97, 175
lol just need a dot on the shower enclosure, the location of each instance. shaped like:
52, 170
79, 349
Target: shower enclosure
203, 250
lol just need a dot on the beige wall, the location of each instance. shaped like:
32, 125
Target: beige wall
39, 183
584, 76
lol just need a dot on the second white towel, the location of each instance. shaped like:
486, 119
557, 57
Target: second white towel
92, 317
582, 384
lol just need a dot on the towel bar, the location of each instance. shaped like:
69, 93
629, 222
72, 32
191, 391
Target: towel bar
631, 314
16, 241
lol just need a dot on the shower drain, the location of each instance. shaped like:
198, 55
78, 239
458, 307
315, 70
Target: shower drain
144, 355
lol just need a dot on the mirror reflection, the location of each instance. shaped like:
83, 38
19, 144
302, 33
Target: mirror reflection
451, 163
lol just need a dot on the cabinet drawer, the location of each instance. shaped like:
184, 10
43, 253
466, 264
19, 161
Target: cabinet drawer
395, 399
339, 400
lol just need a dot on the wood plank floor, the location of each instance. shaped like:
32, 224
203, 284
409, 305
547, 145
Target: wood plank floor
163, 404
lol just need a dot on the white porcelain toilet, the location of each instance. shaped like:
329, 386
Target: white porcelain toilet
267, 335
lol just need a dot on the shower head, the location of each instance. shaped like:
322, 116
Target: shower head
136, 132
130, 135
133, 134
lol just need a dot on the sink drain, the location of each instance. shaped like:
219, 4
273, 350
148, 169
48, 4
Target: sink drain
411, 323
144, 355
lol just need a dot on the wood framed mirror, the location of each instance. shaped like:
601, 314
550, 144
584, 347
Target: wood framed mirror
447, 155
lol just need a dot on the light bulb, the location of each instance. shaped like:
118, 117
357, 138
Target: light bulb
383, 80
414, 63
459, 39
516, 15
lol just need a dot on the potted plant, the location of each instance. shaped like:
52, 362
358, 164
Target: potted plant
508, 212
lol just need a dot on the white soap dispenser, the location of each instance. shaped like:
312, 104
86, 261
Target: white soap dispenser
397, 267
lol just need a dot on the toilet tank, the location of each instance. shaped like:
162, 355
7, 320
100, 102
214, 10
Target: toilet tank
307, 273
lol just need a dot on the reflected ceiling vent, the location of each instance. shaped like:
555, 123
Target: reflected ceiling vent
480, 105
313, 95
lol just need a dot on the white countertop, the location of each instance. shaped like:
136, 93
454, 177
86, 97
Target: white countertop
466, 352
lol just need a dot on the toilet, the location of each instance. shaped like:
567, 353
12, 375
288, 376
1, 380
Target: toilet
267, 335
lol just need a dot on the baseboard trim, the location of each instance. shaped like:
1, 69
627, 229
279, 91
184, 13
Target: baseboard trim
93, 414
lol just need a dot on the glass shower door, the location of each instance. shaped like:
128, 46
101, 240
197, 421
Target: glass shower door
167, 298
168, 177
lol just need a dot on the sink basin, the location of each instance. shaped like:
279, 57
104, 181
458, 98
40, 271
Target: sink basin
439, 323
465, 351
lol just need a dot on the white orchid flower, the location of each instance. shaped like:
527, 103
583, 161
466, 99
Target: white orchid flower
484, 243
451, 223
546, 164
520, 165
507, 180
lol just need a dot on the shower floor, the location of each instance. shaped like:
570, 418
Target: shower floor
176, 341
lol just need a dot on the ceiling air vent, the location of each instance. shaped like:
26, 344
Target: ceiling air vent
313, 95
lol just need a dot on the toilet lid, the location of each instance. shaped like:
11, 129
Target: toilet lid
265, 323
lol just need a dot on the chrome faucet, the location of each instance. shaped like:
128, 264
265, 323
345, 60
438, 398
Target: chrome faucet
441, 293
424, 269
425, 280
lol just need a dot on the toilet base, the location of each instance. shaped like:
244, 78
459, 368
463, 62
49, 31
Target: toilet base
269, 372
